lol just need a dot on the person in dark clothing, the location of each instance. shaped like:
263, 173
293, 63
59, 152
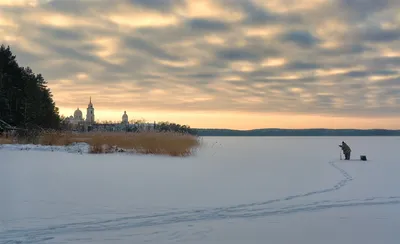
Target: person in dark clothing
346, 150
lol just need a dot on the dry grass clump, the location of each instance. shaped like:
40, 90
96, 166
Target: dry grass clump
6, 140
56, 138
52, 138
166, 143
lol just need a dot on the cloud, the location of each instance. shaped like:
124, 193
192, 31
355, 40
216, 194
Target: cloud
161, 5
148, 48
305, 56
363, 8
201, 24
301, 65
380, 35
302, 38
233, 54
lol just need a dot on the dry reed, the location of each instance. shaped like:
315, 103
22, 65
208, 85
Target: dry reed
54, 138
165, 143
173, 144
6, 140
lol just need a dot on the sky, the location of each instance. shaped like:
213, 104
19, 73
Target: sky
238, 64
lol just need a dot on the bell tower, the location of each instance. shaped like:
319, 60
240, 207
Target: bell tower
90, 113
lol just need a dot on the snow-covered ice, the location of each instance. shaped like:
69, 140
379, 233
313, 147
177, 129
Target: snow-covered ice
234, 190
73, 148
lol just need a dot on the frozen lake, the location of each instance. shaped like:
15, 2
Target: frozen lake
235, 190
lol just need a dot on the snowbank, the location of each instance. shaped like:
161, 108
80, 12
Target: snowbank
73, 148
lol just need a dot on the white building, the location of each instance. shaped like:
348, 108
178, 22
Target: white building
125, 119
77, 119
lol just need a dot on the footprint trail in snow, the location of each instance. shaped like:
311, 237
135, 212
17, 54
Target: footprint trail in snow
252, 210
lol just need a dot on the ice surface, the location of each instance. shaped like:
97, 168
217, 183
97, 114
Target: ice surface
235, 190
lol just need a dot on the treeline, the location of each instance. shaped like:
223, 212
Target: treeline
25, 100
139, 125
297, 132
167, 126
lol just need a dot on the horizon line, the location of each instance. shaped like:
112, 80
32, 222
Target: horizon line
316, 128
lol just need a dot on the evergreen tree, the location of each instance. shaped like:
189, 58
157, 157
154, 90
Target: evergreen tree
25, 99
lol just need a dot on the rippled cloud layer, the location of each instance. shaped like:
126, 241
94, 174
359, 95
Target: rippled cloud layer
328, 57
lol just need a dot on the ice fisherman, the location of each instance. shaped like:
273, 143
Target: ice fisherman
346, 150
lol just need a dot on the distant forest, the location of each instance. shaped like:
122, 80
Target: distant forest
25, 100
297, 132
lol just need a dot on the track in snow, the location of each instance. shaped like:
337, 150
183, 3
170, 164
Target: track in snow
252, 210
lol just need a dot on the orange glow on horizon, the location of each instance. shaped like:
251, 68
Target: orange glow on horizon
245, 121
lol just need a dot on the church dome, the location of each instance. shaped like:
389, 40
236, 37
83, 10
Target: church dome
125, 116
77, 113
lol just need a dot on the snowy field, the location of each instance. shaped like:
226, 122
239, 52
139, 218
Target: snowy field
235, 190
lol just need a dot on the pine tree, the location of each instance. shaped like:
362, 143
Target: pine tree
25, 99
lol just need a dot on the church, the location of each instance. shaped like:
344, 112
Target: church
78, 122
77, 119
